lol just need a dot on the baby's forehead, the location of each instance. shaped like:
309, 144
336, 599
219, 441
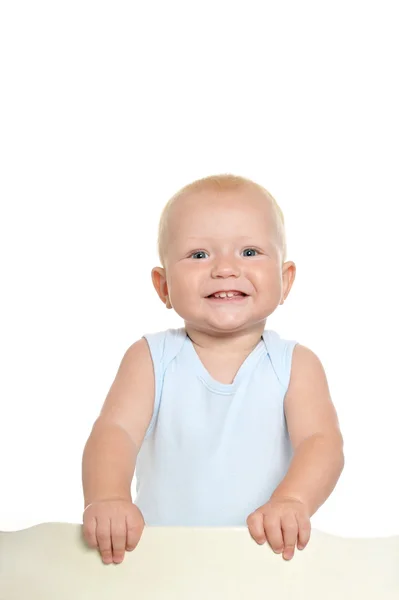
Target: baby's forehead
206, 212
207, 203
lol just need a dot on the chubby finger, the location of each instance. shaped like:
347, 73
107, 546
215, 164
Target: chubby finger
274, 535
255, 526
304, 530
289, 526
104, 539
118, 535
89, 532
133, 534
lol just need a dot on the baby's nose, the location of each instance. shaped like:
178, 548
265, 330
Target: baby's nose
224, 267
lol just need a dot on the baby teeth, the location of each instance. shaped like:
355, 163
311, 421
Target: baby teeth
224, 294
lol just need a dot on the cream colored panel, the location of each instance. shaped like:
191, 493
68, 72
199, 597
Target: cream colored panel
51, 562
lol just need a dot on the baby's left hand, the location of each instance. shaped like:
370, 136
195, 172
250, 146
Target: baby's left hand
282, 522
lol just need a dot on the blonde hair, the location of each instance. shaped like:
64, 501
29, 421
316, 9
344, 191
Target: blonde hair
218, 183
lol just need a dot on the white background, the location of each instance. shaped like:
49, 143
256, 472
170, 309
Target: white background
107, 108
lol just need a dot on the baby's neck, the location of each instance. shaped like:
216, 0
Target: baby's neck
232, 344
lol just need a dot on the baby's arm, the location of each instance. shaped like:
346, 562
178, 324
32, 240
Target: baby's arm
317, 462
110, 453
314, 432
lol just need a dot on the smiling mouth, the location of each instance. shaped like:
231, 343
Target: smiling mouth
235, 298
232, 294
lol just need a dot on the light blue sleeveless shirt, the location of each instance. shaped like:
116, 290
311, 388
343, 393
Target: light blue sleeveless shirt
213, 452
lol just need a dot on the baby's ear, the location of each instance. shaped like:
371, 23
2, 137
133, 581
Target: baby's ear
158, 277
288, 276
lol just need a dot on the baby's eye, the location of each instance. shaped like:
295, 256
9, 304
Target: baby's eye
250, 250
196, 253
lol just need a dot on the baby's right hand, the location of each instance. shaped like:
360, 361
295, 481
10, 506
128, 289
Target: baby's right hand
113, 526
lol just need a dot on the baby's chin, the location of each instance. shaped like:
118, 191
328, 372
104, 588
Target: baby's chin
224, 326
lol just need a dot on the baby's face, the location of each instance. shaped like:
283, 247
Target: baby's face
221, 242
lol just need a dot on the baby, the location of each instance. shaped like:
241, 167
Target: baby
225, 422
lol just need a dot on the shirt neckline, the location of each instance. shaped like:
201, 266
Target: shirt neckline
218, 386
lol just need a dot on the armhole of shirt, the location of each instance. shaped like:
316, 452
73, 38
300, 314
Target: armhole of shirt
156, 344
163, 346
281, 352
287, 360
